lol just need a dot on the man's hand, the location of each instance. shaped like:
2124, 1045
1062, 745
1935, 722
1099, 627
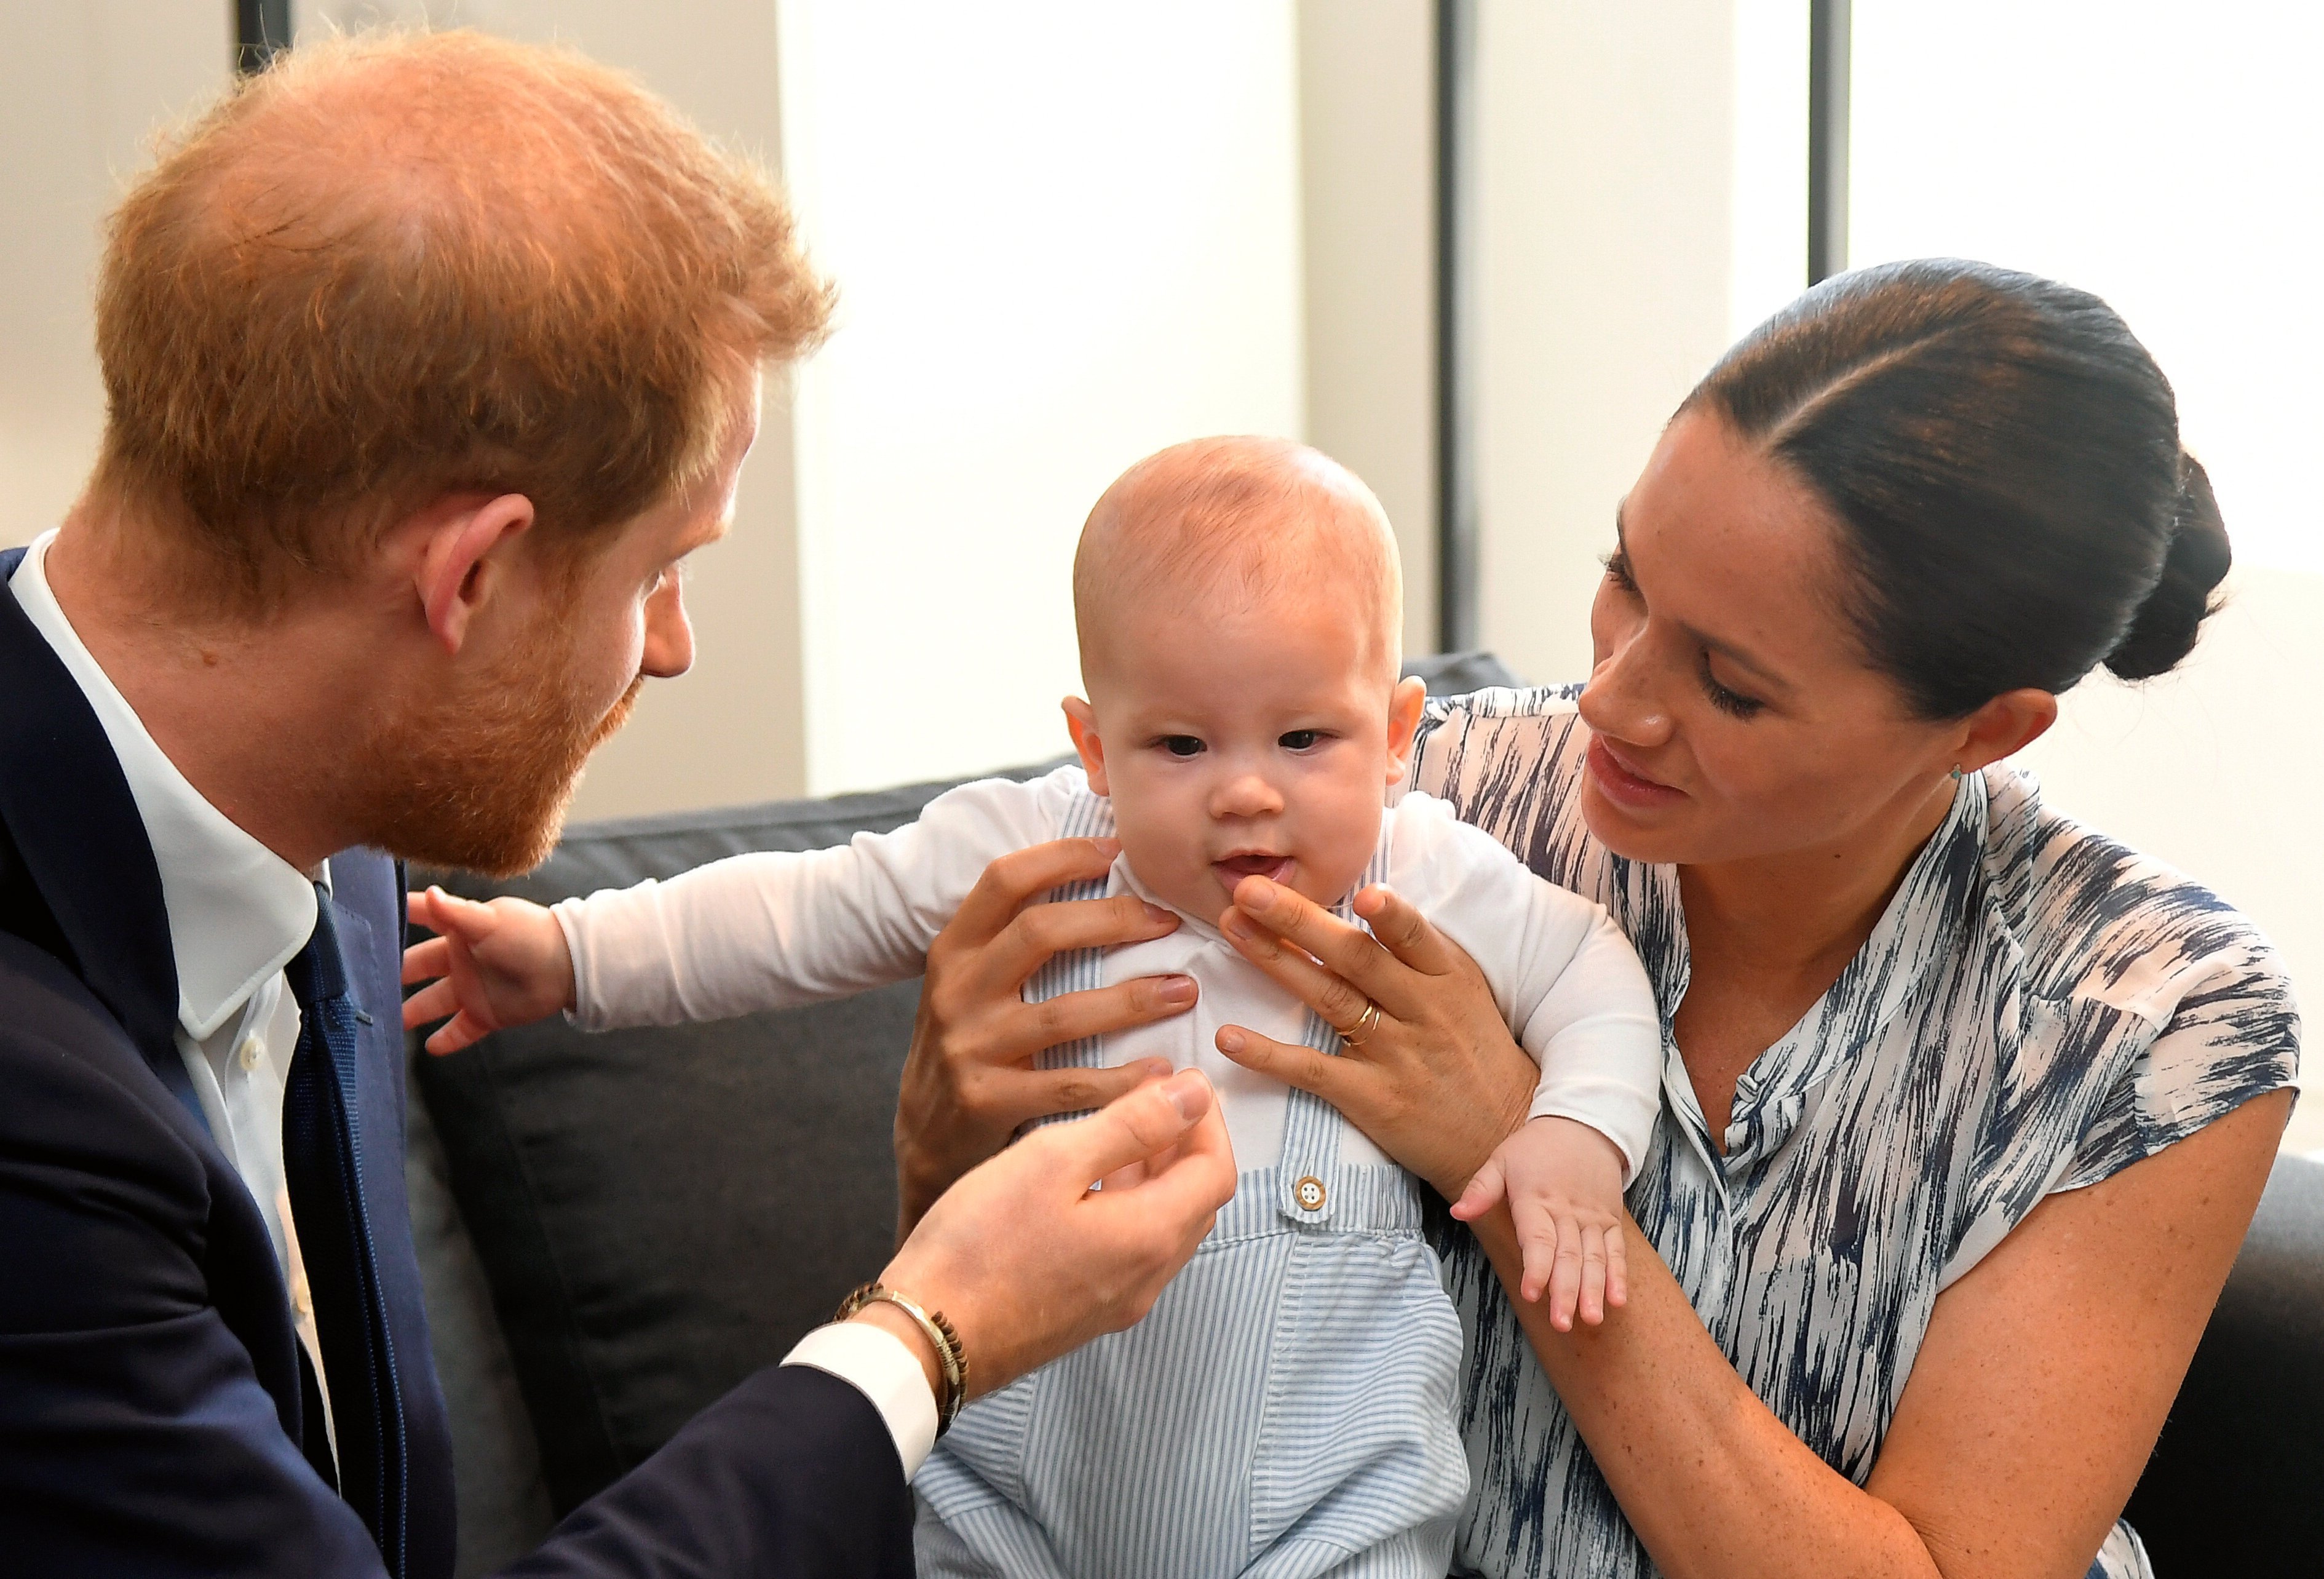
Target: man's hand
1564, 1183
1027, 1263
500, 965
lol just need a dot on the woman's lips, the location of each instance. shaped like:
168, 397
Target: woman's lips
1235, 868
1625, 785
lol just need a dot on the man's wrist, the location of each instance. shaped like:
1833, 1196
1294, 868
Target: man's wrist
888, 1319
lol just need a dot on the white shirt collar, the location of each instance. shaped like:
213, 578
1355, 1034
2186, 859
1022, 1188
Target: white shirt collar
237, 911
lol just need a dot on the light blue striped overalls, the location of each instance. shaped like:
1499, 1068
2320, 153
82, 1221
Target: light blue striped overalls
1286, 1409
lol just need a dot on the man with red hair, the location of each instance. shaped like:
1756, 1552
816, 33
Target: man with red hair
428, 361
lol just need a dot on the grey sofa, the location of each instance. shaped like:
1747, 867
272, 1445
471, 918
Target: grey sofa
615, 1229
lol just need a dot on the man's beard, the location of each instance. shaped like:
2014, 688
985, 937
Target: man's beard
480, 782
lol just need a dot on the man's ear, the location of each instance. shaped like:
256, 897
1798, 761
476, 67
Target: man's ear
1081, 723
1404, 709
457, 571
2004, 726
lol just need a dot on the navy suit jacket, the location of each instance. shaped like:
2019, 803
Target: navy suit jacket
157, 1418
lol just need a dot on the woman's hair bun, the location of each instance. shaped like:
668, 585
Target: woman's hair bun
2164, 629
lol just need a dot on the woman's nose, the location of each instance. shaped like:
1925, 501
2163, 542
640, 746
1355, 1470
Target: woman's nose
1621, 699
670, 634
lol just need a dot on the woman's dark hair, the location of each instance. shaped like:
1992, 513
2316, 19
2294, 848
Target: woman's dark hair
2005, 457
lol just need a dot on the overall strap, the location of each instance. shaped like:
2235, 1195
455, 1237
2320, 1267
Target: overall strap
1311, 1188
1088, 816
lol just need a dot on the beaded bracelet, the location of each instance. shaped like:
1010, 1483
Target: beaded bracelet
952, 1360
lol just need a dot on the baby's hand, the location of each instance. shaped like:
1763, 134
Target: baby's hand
503, 963
1564, 1182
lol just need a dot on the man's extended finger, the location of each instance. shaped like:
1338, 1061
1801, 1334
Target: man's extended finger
1023, 875
1040, 1093
1042, 931
1134, 1127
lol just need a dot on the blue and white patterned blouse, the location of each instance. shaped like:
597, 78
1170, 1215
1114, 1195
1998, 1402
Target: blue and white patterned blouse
2038, 1008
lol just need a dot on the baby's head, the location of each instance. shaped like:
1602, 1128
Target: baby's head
1239, 611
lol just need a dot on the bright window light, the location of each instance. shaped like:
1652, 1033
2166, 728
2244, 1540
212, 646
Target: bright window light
2168, 157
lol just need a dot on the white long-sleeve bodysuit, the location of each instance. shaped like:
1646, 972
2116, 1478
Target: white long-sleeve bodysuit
1288, 1409
777, 930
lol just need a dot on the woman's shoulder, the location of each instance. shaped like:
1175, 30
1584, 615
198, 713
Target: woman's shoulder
1479, 747
2097, 920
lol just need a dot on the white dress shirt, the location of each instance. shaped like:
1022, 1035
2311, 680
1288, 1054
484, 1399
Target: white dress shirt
237, 913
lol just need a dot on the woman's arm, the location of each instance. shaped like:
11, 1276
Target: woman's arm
2036, 1397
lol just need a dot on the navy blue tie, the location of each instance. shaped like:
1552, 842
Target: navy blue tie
322, 1152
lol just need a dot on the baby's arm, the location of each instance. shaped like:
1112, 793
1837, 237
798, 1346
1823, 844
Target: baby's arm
1573, 990
1563, 1180
763, 930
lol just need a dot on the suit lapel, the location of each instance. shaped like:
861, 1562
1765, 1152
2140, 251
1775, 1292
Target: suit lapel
76, 828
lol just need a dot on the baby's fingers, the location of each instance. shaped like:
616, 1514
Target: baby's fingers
1537, 1244
1618, 1271
1592, 1306
1565, 1280
433, 1002
462, 1030
424, 962
1485, 1191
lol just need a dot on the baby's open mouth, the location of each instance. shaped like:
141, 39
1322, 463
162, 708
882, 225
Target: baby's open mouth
1235, 868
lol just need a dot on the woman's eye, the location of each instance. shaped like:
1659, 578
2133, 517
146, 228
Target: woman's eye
1301, 739
1733, 703
1182, 745
1618, 571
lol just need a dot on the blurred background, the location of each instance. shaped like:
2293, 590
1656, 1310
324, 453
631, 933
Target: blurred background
1477, 249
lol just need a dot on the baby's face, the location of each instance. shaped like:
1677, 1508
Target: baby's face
1259, 742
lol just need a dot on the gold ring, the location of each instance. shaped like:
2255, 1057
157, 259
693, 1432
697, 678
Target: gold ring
1355, 1034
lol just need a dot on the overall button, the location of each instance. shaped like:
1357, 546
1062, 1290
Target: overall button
1309, 1193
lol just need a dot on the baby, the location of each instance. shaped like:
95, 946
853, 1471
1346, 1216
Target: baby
1289, 1407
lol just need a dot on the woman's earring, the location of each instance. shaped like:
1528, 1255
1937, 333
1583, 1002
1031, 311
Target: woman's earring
1957, 773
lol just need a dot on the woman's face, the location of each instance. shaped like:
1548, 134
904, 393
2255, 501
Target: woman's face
1734, 716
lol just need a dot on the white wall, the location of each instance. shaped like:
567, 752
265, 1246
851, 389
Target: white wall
1065, 235
82, 88
1607, 146
1367, 103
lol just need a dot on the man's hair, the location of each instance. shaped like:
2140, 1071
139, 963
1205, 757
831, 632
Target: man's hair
399, 266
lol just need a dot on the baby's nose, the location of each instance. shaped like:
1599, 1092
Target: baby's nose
1246, 794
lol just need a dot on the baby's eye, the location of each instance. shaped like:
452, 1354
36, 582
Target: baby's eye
1182, 745
1301, 739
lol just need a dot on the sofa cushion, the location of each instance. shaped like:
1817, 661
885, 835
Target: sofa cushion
659, 1213
2236, 1483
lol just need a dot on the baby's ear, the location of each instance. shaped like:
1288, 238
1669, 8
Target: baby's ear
1081, 723
1404, 704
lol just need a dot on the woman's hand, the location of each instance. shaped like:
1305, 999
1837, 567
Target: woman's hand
969, 1082
1435, 1079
